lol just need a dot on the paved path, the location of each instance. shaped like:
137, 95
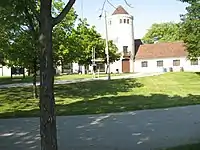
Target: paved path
139, 130
137, 75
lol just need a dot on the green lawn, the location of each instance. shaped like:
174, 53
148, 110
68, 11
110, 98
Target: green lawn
29, 79
168, 90
186, 147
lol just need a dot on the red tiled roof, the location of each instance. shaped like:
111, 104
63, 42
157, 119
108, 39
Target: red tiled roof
120, 10
161, 50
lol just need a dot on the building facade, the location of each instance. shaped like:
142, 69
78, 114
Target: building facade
5, 71
164, 57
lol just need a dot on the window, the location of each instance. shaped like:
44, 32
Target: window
110, 22
176, 62
194, 62
160, 63
125, 49
127, 21
124, 20
120, 21
101, 67
144, 64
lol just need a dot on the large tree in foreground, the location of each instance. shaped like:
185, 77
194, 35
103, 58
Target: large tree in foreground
47, 100
190, 31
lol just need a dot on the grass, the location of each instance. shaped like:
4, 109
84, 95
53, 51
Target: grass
186, 147
29, 79
168, 90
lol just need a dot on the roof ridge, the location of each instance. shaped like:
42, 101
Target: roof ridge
164, 43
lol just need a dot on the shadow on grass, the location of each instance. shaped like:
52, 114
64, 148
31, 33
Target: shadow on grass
112, 104
126, 103
20, 99
16, 79
16, 94
198, 73
93, 89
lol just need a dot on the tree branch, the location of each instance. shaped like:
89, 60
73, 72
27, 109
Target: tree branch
64, 12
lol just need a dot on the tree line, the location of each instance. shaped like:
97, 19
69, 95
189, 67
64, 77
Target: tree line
20, 45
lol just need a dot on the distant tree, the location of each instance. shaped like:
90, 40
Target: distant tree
113, 52
163, 32
62, 36
88, 38
23, 52
20, 32
190, 31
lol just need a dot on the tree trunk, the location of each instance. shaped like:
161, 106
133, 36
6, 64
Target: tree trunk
106, 69
29, 71
62, 66
35, 93
47, 102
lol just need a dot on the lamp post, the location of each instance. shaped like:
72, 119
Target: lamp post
93, 61
107, 48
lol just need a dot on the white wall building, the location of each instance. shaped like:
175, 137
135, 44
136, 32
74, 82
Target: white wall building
120, 30
161, 57
139, 57
5, 71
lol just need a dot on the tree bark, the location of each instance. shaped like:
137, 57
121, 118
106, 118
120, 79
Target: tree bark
29, 71
48, 130
62, 66
47, 102
35, 93
106, 69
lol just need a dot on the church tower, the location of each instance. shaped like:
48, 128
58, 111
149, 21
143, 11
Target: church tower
120, 30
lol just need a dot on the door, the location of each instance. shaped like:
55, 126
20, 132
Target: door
125, 65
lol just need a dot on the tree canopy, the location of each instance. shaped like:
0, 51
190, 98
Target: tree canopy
190, 31
88, 38
163, 32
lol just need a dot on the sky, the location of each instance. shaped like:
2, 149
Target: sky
145, 12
